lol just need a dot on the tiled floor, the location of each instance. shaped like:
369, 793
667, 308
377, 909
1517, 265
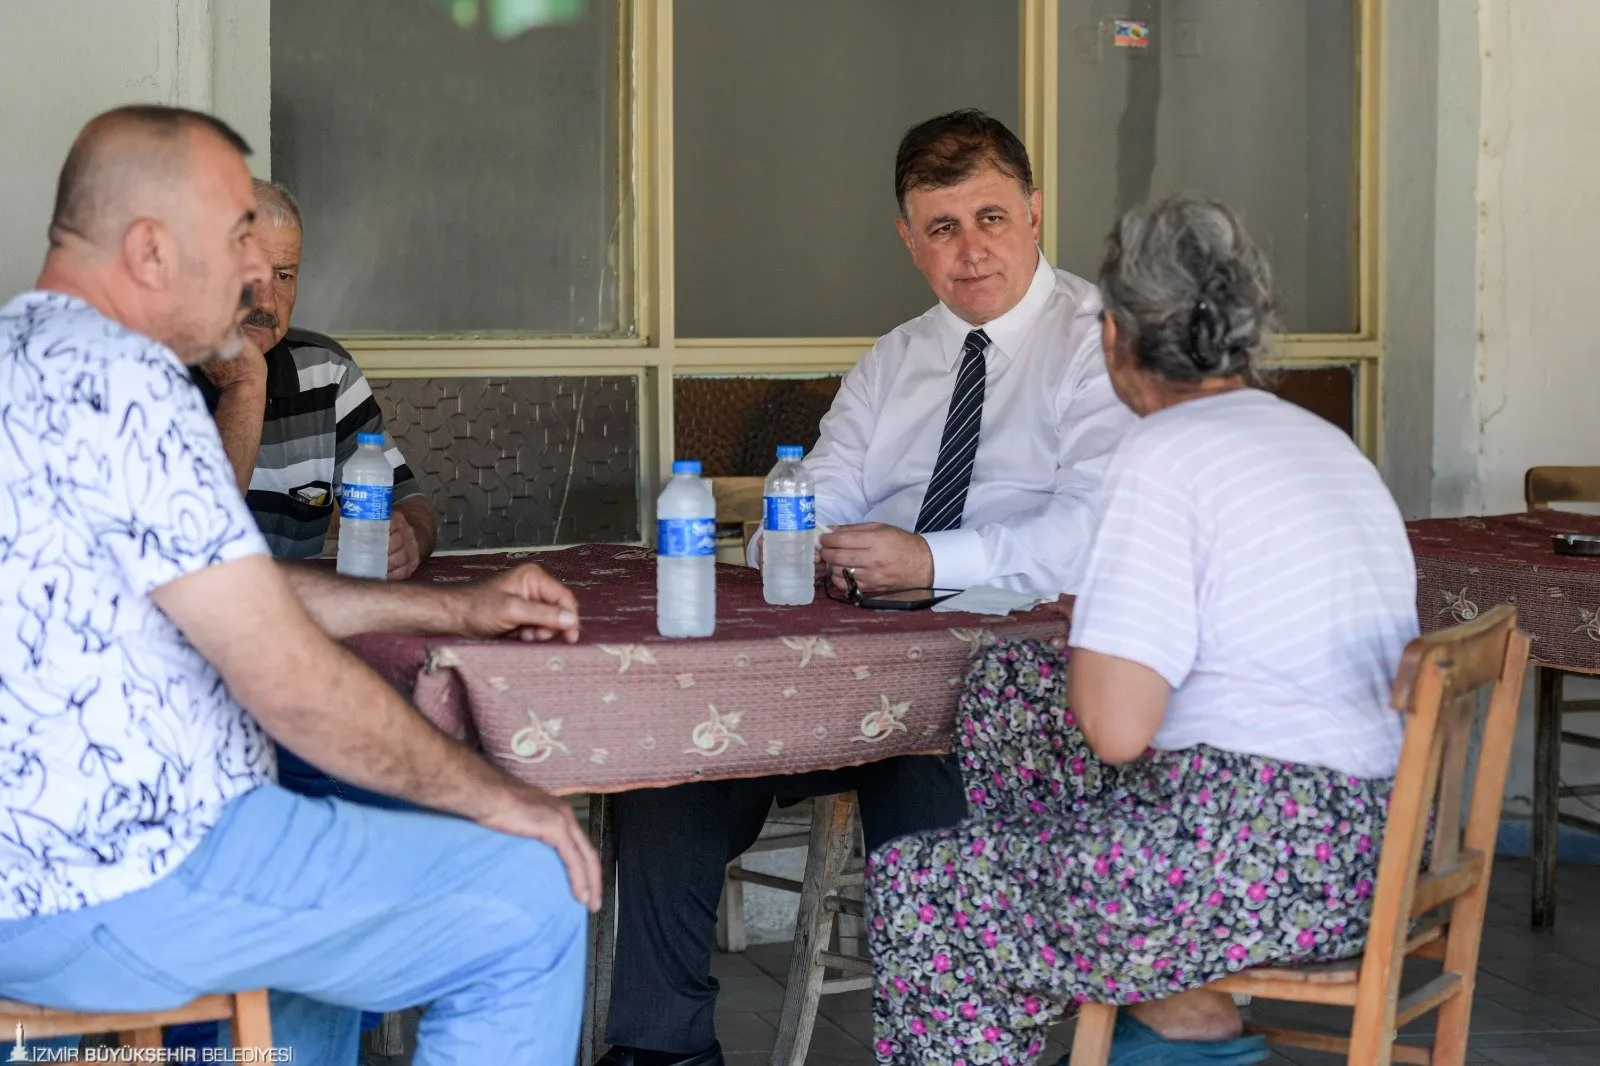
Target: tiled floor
1538, 999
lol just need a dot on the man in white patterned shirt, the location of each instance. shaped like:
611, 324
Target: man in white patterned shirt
966, 448
149, 647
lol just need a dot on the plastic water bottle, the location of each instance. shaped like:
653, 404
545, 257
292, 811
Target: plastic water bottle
366, 489
686, 555
789, 531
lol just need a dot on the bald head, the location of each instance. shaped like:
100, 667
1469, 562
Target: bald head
127, 163
154, 227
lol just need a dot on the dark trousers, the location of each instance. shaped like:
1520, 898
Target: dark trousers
673, 845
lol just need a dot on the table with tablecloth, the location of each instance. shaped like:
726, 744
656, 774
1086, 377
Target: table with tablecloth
1465, 566
777, 690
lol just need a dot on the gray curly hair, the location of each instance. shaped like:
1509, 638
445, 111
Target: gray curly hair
1190, 293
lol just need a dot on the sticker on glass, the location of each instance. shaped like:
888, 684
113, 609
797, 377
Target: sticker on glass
1129, 33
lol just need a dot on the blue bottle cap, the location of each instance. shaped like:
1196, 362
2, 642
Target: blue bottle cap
791, 453
686, 466
370, 438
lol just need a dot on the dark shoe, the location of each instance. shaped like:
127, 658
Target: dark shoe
627, 1056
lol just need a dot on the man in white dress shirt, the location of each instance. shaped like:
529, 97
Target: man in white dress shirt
966, 448
1040, 420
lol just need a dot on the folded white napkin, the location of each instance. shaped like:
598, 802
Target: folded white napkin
989, 599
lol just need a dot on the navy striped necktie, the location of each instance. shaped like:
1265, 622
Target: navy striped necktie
946, 500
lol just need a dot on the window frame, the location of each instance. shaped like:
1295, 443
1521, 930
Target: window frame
654, 353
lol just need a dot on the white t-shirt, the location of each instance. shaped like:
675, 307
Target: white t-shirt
119, 743
1250, 555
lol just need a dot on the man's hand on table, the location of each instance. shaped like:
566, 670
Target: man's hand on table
405, 554
883, 557
1061, 605
411, 536
526, 601
534, 813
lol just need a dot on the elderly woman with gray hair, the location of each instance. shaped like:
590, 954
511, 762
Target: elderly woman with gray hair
1213, 798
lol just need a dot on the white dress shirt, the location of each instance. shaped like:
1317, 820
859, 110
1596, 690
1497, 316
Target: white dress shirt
1050, 421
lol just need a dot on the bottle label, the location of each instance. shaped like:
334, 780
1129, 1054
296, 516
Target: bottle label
369, 502
678, 537
791, 514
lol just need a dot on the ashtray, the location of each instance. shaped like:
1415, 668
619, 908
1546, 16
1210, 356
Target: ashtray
1576, 543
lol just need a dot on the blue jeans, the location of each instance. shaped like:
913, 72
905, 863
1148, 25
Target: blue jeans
337, 907
298, 776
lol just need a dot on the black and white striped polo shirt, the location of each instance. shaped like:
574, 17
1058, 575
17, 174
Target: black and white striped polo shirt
317, 401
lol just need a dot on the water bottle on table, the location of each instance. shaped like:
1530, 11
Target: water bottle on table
366, 489
686, 555
789, 531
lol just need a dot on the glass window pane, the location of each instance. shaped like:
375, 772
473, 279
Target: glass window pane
520, 462
787, 118
1250, 101
450, 182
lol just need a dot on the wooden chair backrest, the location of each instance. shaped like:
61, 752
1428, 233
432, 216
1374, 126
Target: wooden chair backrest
739, 502
1438, 686
1544, 485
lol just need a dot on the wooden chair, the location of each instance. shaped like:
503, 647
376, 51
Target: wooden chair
252, 1023
1543, 486
793, 831
1431, 910
739, 503
830, 873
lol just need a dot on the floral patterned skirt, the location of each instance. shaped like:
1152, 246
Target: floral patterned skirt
1076, 881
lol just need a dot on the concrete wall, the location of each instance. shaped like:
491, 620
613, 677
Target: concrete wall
1429, 237
64, 61
1538, 234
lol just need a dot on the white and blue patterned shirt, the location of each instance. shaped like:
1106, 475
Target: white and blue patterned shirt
119, 743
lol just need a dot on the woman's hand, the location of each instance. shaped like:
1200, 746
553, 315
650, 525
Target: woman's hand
1062, 605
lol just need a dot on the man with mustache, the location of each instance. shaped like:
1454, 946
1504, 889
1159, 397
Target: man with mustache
289, 409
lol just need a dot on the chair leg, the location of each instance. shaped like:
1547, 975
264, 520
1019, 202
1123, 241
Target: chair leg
252, 1020
852, 931
602, 930
389, 1037
731, 935
139, 1037
1546, 792
825, 859
1091, 1042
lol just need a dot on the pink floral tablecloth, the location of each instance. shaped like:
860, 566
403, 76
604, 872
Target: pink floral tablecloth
1467, 565
777, 690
